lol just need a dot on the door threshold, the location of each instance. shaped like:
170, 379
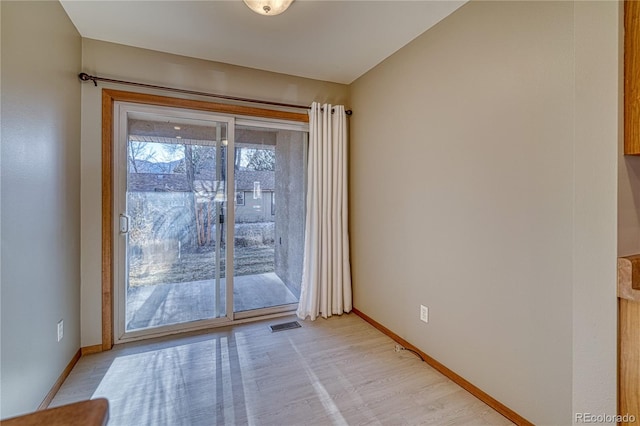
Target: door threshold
245, 317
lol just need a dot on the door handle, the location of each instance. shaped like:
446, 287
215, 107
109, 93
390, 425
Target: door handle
124, 224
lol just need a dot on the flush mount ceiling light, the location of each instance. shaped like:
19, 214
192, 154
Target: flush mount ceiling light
268, 7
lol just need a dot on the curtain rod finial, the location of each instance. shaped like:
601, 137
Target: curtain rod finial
86, 77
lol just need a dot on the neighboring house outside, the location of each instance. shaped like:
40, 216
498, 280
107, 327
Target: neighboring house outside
255, 200
255, 196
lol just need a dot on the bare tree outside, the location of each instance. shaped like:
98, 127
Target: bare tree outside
261, 159
173, 206
138, 152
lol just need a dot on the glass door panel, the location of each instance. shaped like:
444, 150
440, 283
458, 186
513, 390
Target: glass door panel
172, 225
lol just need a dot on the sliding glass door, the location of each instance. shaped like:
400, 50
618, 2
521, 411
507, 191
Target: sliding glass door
198, 238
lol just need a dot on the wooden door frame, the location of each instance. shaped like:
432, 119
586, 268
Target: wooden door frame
628, 398
109, 97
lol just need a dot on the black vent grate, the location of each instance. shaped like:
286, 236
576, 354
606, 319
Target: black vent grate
284, 326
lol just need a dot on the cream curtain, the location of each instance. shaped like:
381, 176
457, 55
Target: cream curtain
326, 274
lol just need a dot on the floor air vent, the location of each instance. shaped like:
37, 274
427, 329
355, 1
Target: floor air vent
284, 326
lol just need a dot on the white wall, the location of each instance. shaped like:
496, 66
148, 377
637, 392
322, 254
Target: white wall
130, 63
598, 129
504, 117
40, 200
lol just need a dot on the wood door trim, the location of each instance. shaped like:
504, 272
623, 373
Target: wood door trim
108, 100
631, 78
109, 97
143, 98
459, 380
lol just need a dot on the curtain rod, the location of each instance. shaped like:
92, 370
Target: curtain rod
86, 77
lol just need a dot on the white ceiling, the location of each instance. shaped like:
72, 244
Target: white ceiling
329, 40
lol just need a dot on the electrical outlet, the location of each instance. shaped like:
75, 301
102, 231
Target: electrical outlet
60, 330
424, 313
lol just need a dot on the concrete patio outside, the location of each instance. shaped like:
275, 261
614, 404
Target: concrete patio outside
165, 304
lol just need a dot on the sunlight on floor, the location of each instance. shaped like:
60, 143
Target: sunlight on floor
330, 407
338, 371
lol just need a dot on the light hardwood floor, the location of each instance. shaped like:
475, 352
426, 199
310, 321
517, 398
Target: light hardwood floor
339, 371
